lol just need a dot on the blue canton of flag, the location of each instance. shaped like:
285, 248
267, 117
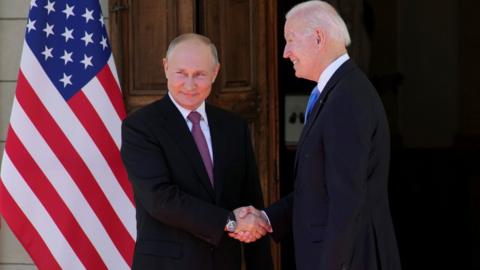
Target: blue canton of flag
69, 39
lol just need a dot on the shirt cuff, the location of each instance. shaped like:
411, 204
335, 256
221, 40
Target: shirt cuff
266, 217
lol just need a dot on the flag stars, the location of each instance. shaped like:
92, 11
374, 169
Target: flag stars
87, 61
69, 11
50, 7
88, 15
48, 29
31, 25
104, 43
33, 3
68, 34
66, 80
47, 53
87, 38
67, 57
102, 22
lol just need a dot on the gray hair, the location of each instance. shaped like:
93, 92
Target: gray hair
321, 14
192, 36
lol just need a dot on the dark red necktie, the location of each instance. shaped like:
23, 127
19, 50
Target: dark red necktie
201, 142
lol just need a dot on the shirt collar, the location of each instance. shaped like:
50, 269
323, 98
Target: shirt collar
185, 112
330, 70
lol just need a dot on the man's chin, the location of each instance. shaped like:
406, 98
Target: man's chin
299, 75
190, 106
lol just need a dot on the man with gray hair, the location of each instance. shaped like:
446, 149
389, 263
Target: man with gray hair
339, 209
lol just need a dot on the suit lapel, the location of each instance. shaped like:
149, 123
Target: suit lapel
329, 87
179, 132
219, 147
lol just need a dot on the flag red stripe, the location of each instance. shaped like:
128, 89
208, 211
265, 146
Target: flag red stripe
76, 167
25, 232
53, 203
94, 125
106, 79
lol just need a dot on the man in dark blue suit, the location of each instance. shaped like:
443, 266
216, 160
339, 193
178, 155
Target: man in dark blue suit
339, 210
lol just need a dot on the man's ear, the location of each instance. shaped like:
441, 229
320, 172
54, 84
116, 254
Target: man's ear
215, 72
320, 37
165, 66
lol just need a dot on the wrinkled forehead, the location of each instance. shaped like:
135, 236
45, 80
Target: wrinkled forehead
191, 46
191, 56
191, 50
295, 26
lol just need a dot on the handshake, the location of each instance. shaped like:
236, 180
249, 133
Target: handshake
252, 224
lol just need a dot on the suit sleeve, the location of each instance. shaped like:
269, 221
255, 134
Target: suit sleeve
280, 215
347, 133
148, 171
257, 254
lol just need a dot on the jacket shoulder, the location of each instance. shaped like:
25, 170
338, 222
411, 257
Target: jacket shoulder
150, 111
224, 115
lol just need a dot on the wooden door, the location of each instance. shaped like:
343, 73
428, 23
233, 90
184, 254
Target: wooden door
244, 32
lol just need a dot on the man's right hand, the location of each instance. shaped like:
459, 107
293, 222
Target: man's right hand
251, 224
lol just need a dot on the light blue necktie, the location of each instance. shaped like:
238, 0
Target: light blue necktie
311, 102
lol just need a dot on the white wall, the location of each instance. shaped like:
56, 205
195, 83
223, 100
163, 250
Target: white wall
13, 14
428, 59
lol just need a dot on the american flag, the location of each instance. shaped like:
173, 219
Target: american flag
63, 189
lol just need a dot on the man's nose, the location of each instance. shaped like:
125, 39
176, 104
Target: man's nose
189, 83
286, 51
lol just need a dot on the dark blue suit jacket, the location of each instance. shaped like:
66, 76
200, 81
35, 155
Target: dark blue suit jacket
339, 208
180, 217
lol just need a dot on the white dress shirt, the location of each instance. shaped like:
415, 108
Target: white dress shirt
203, 122
328, 72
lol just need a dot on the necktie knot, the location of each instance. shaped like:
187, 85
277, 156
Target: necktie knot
194, 117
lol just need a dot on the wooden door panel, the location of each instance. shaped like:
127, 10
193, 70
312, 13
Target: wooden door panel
149, 26
141, 31
234, 41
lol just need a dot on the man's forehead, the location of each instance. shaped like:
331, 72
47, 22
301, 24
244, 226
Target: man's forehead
292, 24
296, 26
189, 47
291, 32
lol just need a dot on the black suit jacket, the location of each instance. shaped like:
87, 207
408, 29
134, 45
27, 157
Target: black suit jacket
180, 217
339, 208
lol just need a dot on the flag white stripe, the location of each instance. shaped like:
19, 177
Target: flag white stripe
66, 188
113, 69
97, 96
38, 216
80, 139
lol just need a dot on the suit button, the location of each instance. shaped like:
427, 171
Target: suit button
307, 155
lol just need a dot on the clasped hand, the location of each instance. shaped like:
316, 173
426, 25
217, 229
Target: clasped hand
251, 224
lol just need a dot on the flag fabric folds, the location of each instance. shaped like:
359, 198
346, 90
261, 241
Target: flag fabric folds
63, 189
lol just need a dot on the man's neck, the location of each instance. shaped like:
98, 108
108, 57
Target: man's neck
330, 56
